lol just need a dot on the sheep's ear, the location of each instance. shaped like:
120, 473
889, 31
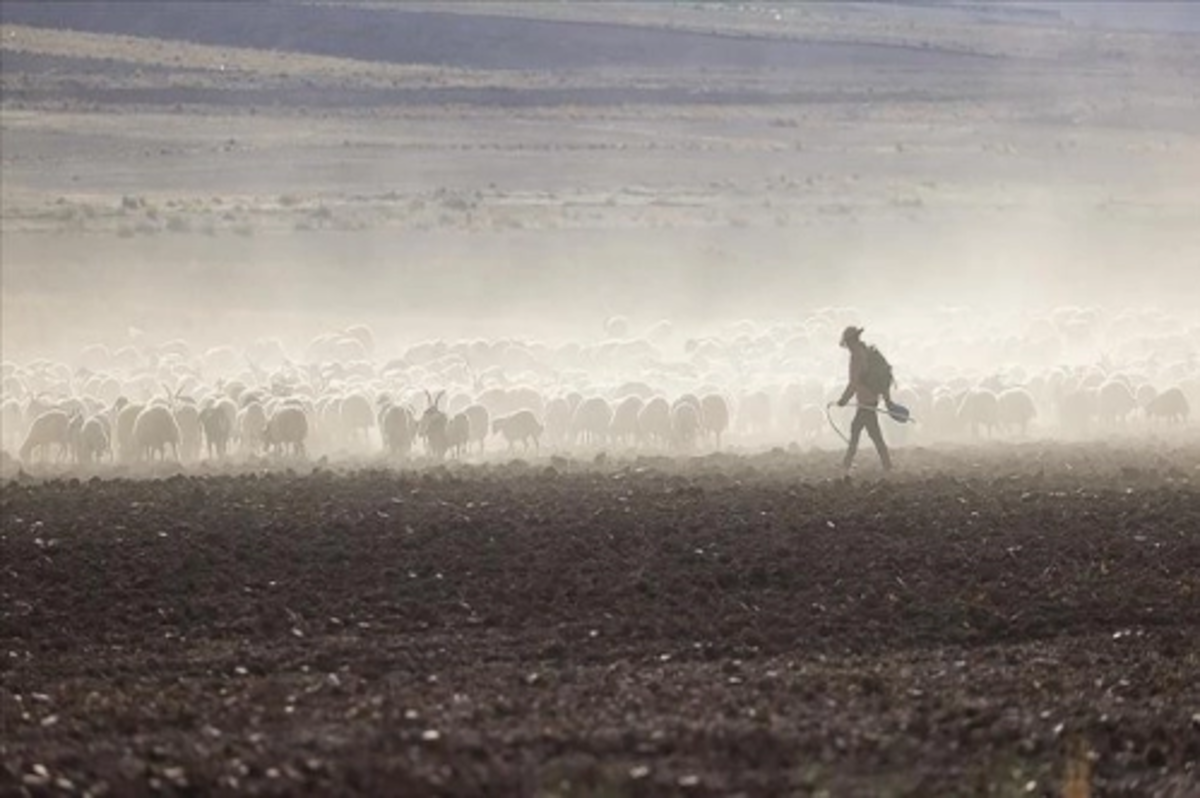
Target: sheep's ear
439, 397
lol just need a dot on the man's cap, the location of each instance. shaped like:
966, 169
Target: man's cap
851, 333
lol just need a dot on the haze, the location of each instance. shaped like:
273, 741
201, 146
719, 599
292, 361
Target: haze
221, 174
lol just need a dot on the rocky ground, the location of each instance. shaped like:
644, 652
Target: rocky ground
990, 621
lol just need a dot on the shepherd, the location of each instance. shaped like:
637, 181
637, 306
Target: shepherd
870, 380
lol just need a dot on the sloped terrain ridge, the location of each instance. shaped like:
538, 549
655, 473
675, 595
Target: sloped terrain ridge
473, 41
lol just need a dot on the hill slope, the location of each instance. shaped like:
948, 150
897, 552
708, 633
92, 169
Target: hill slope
475, 41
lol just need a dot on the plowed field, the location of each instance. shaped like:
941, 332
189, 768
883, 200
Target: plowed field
1021, 620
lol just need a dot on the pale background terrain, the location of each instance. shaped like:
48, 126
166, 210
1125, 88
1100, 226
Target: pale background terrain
188, 169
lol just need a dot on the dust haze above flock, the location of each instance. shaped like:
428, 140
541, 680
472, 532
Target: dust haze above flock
532, 170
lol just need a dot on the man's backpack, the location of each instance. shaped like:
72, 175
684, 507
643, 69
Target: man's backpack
878, 374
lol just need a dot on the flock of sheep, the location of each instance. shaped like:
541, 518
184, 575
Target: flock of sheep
1072, 372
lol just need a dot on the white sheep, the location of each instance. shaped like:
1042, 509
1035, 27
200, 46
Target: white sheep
363, 334
266, 352
1145, 394
637, 388
979, 409
624, 428
458, 434
496, 400
126, 416
1171, 405
50, 429
591, 421
943, 420
616, 327
217, 420
93, 441
754, 413
336, 348
95, 357
357, 419
1115, 401
12, 424
398, 429
251, 424
685, 424
187, 416
523, 397
329, 420
221, 361
558, 420
714, 415
1016, 409
654, 422
75, 434
521, 426
286, 430
480, 422
660, 333
154, 431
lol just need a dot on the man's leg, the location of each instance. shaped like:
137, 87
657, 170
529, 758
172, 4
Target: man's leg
856, 428
881, 446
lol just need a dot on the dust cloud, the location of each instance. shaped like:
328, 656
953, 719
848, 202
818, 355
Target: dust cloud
787, 169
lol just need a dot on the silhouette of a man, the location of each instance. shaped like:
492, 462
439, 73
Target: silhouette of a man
865, 397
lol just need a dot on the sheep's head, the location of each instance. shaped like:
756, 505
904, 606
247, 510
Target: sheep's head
433, 420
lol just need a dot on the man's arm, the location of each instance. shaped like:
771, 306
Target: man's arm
853, 381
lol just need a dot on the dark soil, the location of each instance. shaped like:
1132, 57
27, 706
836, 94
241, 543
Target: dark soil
980, 624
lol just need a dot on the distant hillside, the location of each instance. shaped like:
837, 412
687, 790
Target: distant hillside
1162, 16
1181, 16
476, 41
